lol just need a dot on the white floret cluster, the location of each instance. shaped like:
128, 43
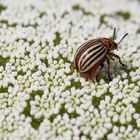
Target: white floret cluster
41, 94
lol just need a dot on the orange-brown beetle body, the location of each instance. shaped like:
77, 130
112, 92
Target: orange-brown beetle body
91, 55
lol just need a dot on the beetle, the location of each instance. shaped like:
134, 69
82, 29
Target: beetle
90, 56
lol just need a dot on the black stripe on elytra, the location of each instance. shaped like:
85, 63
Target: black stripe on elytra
92, 56
86, 46
102, 52
93, 49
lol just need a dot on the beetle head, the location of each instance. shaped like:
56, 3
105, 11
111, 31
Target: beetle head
110, 44
114, 36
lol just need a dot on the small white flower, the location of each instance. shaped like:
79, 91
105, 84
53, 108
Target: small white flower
138, 122
115, 118
108, 125
122, 129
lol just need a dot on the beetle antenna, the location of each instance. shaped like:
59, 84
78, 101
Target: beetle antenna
114, 33
122, 38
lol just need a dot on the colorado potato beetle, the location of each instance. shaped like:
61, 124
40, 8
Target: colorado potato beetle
91, 55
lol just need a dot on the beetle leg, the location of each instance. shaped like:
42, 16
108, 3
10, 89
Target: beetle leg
96, 74
109, 65
88, 76
93, 72
101, 67
85, 75
92, 76
112, 57
116, 56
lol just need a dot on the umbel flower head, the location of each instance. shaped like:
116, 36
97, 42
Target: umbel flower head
41, 94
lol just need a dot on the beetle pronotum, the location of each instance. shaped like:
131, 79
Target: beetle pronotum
92, 54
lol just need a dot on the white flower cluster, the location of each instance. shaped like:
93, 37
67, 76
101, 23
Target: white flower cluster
41, 94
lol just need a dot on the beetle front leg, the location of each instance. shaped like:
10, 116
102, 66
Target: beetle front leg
109, 65
116, 56
101, 67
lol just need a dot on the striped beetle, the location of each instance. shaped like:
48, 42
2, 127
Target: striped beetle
91, 55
